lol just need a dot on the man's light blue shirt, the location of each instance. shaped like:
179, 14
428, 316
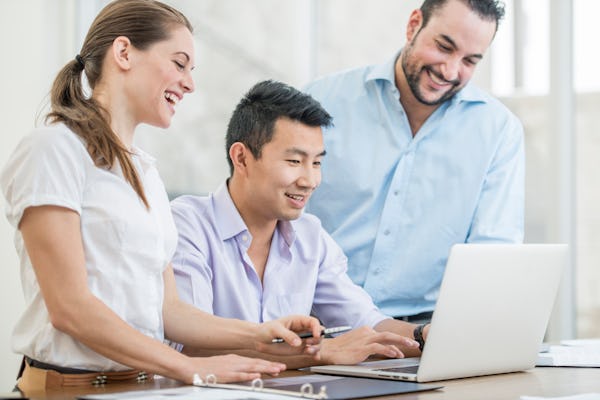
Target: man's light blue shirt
396, 204
305, 271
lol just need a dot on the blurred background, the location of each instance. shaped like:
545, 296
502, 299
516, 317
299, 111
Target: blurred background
542, 65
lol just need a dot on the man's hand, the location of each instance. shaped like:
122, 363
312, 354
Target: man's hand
287, 328
355, 346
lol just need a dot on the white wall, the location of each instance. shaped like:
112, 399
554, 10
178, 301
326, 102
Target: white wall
34, 45
38, 37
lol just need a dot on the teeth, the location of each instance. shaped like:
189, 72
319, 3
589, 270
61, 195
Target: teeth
295, 197
436, 80
172, 98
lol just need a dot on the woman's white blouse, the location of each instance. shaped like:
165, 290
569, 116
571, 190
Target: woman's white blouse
126, 246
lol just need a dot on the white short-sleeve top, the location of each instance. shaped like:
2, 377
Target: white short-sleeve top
126, 246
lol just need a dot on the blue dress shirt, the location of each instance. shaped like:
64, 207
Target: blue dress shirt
396, 204
305, 272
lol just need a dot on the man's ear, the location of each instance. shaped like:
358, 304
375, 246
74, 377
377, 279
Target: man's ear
121, 52
239, 155
415, 21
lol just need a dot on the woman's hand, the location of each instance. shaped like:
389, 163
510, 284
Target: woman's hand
355, 346
230, 368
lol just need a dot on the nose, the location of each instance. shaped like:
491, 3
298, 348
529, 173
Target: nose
451, 69
188, 82
310, 178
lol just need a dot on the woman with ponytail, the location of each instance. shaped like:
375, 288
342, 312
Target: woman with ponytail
94, 229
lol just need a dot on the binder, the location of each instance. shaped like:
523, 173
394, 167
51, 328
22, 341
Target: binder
313, 386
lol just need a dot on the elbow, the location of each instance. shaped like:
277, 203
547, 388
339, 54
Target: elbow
64, 320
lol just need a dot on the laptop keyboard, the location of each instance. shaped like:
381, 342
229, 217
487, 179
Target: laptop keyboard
411, 369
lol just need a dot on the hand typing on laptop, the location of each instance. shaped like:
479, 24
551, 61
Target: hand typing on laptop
357, 345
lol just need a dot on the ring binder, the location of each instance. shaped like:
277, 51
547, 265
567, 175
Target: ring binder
306, 390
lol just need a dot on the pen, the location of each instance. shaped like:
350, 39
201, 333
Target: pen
326, 331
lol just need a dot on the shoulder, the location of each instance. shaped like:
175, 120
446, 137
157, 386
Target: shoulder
52, 139
48, 151
478, 99
487, 110
190, 206
332, 85
193, 214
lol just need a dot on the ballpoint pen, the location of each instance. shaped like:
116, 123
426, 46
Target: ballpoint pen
326, 331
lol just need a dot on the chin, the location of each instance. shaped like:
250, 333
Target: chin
164, 124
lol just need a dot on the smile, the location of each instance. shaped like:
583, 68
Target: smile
172, 98
296, 197
435, 79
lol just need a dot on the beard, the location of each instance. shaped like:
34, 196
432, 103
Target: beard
413, 73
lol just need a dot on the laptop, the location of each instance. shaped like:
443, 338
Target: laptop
492, 311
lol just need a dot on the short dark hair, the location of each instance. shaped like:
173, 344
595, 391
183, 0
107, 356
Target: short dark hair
253, 120
491, 10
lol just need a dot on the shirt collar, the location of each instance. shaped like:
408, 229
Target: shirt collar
386, 72
145, 159
230, 222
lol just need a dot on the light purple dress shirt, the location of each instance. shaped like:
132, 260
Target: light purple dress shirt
305, 272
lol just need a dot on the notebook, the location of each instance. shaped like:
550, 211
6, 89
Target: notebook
494, 304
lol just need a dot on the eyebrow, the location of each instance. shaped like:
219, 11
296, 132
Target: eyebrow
295, 150
455, 47
184, 53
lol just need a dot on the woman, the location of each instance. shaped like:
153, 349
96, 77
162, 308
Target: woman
95, 233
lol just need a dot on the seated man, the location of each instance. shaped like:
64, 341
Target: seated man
248, 252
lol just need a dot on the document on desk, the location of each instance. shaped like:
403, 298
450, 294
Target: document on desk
583, 396
583, 353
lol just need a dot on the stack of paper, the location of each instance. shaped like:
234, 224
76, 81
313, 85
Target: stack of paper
571, 353
584, 396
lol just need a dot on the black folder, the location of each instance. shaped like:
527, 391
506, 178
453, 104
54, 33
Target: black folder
340, 387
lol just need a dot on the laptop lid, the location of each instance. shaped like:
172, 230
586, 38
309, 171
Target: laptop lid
492, 311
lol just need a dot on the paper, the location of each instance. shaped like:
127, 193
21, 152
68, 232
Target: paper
584, 396
581, 342
188, 393
571, 353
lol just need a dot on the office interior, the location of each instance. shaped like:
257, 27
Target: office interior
542, 65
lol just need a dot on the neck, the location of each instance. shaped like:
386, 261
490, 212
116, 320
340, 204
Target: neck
261, 227
416, 112
121, 121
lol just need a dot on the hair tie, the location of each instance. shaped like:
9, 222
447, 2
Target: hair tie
79, 60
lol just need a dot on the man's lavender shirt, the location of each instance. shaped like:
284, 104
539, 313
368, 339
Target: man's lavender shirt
305, 271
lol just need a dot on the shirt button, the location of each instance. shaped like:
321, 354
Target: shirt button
245, 238
386, 232
396, 192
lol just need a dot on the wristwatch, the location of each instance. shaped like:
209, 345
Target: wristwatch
418, 334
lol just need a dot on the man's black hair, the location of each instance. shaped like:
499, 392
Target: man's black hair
491, 10
253, 120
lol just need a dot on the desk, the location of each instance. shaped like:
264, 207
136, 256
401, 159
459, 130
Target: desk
547, 382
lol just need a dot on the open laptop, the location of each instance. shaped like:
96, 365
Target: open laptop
494, 304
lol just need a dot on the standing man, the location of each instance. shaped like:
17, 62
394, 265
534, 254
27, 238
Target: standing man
419, 159
249, 252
